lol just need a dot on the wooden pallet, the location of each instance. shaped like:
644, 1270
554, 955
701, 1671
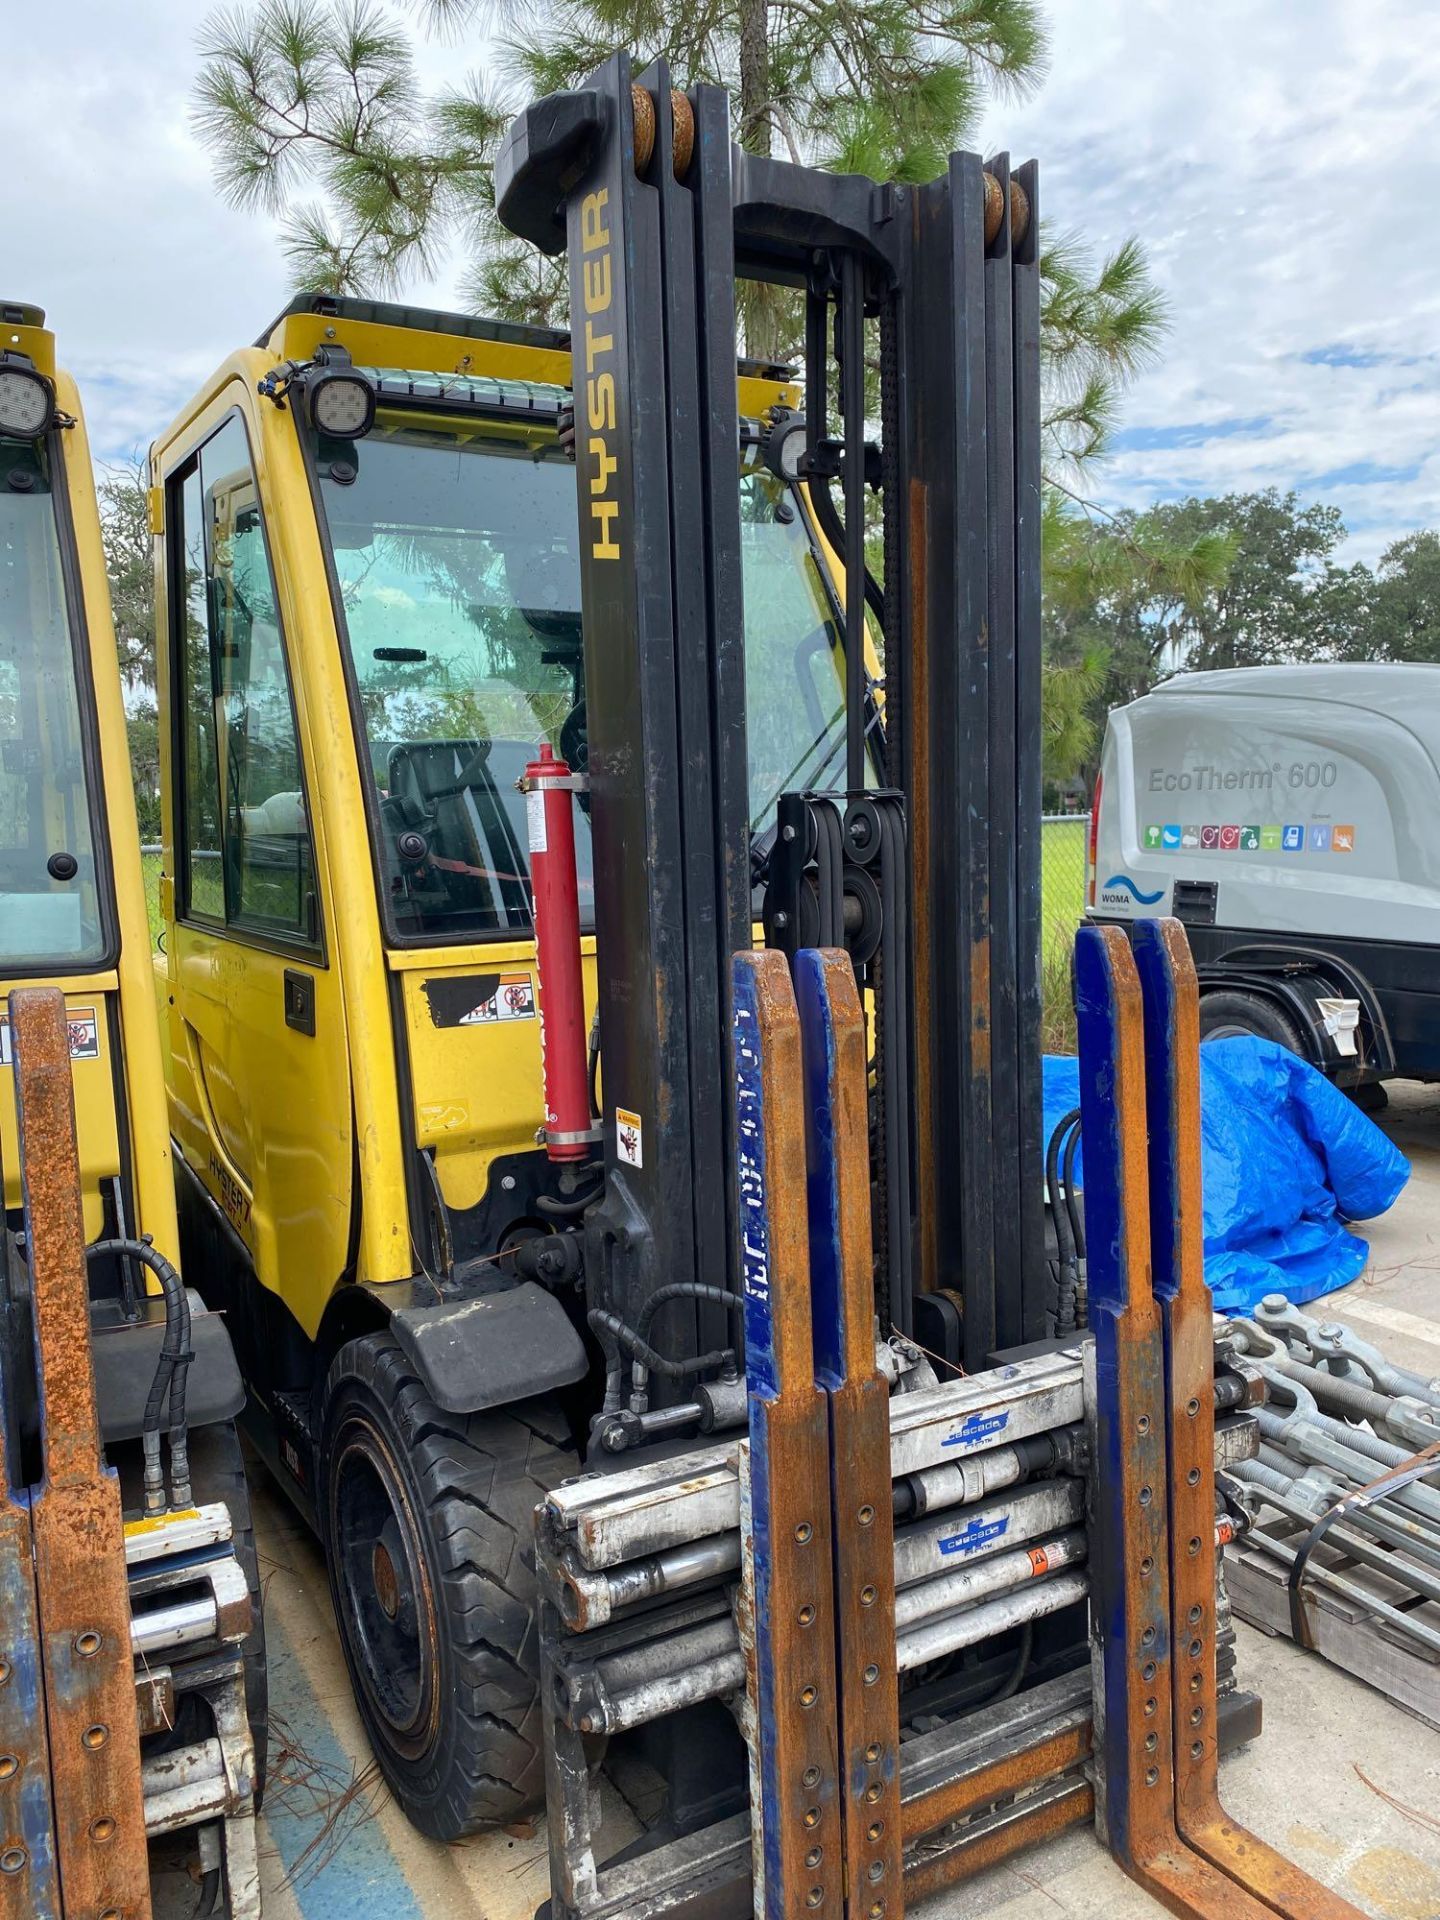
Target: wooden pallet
1343, 1632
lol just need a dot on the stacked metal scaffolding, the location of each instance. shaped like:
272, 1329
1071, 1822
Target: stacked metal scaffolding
1348, 1474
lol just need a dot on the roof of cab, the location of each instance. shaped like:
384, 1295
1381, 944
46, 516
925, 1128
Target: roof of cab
296, 327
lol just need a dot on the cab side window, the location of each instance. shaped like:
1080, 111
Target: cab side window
246, 855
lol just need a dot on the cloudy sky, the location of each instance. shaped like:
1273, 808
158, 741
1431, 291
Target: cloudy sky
1281, 159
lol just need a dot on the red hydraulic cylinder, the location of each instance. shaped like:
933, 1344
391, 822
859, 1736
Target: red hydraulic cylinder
555, 889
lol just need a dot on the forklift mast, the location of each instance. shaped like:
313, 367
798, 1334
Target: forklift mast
932, 877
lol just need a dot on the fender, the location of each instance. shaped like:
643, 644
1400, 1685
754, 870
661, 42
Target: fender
125, 1357
1297, 979
490, 1349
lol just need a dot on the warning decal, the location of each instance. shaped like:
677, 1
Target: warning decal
513, 999
629, 1138
84, 1035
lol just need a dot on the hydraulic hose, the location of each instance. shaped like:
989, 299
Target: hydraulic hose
628, 1340
176, 1355
1068, 1271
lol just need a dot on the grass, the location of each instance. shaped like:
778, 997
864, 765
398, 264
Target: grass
1062, 902
150, 864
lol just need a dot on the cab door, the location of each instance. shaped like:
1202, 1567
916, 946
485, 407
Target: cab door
260, 1076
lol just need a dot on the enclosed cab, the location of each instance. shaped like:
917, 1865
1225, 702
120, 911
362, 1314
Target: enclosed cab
369, 592
1287, 816
73, 916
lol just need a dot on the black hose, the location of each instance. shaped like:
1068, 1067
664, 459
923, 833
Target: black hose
1010, 1686
688, 1290
1072, 1202
1067, 1272
626, 1338
176, 1355
1064, 1243
577, 1202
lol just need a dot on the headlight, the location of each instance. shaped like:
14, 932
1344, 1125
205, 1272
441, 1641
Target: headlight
27, 403
342, 405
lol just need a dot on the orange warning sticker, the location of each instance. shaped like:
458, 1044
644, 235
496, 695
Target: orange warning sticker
1039, 1560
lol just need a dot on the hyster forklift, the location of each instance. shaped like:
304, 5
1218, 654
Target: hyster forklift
132, 1670
604, 1032
369, 591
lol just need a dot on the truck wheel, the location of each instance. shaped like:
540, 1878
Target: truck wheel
1230, 1011
426, 1519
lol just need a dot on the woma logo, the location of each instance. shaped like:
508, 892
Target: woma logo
1120, 888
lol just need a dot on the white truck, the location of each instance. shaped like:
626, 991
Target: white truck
1290, 816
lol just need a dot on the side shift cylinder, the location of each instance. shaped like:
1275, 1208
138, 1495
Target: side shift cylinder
554, 885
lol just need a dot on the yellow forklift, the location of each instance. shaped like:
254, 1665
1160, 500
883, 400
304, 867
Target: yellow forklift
510, 677
368, 586
98, 1336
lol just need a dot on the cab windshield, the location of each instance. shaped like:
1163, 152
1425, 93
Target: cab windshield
456, 555
49, 896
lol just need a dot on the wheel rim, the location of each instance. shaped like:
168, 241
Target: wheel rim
386, 1596
1230, 1030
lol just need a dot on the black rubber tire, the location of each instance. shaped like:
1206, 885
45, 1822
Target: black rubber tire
217, 1472
1230, 1010
454, 1497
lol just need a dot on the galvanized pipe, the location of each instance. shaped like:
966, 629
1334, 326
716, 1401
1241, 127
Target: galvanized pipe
934, 1635
1405, 1623
589, 1600
708, 1679
1313, 1441
185, 1787
1350, 1540
948, 1592
949, 1633
180, 1624
967, 1533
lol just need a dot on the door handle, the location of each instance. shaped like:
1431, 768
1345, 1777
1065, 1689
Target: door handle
300, 1001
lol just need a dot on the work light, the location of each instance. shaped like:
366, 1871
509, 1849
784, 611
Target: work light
342, 404
27, 400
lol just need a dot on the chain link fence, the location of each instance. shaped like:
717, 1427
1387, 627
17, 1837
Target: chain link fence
1064, 842
1064, 845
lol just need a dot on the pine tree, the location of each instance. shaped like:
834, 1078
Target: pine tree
312, 112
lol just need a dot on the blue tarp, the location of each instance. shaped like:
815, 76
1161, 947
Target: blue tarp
1287, 1160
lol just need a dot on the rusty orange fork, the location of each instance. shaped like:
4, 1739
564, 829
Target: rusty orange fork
1135, 1799
1170, 993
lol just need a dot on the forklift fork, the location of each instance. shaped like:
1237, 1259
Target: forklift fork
787, 1605
1171, 996
81, 1807
1152, 1489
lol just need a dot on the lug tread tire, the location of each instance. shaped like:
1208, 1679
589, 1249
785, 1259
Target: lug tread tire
475, 1481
